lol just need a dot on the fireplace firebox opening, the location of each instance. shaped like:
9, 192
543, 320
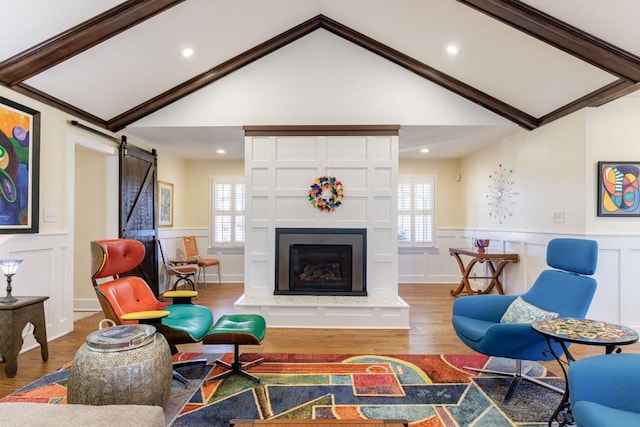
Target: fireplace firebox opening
320, 261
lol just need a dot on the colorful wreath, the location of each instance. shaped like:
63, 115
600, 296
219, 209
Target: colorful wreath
326, 193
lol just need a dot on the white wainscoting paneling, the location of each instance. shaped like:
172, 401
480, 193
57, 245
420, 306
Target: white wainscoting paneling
46, 270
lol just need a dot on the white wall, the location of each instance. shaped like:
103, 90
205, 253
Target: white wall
549, 173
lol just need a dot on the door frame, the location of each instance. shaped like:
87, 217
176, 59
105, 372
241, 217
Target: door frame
111, 151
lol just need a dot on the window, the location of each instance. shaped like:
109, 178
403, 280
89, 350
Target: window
227, 211
416, 211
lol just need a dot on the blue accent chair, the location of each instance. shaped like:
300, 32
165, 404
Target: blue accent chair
565, 289
603, 390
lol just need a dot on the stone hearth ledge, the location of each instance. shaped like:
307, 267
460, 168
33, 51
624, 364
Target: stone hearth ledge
332, 312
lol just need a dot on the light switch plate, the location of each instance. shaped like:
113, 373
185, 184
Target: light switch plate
50, 215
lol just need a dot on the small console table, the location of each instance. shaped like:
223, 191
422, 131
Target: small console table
496, 261
565, 330
13, 318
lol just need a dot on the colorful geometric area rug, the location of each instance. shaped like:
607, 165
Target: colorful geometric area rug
425, 390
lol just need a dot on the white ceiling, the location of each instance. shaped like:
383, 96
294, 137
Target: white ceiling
144, 61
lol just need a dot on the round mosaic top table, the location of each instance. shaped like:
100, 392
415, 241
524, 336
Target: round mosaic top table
586, 331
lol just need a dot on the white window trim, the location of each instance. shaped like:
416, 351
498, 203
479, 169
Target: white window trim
412, 179
219, 179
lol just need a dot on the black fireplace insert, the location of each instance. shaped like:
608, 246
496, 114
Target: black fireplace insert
320, 261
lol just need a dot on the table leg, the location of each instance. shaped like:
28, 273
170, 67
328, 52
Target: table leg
40, 330
562, 415
10, 349
495, 277
466, 271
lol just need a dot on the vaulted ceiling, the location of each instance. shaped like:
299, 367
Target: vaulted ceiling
111, 63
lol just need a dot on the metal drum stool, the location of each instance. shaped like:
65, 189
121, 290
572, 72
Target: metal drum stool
122, 365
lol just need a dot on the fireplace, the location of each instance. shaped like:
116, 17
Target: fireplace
321, 261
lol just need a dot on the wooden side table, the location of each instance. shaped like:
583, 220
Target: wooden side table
13, 318
495, 260
565, 330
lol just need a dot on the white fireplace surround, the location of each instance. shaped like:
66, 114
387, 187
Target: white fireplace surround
279, 170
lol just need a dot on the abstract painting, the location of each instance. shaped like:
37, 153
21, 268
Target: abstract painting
618, 190
19, 167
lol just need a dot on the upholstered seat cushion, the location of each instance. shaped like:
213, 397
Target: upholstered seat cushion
208, 262
591, 414
183, 269
237, 329
472, 329
195, 320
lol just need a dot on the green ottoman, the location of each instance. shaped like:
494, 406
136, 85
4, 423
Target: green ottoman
237, 329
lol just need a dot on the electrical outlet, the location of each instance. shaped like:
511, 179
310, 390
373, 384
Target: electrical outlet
558, 217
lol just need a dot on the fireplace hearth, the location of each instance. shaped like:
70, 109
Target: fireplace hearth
320, 261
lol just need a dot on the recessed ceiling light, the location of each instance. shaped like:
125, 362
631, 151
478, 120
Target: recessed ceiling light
187, 52
424, 150
221, 151
453, 49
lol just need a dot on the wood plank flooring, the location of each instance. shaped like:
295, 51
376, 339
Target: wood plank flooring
430, 333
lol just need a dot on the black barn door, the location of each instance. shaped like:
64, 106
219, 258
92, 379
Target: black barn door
138, 206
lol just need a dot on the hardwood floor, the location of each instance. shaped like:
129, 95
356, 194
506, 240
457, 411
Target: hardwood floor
430, 333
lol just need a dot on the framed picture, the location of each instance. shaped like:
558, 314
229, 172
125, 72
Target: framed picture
618, 190
165, 204
19, 168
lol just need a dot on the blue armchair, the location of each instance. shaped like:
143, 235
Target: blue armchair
565, 290
603, 390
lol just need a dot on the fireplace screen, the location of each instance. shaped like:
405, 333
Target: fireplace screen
320, 267
320, 261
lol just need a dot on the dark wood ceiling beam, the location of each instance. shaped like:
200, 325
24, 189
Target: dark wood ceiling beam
320, 130
79, 38
505, 110
121, 121
190, 86
561, 35
596, 98
60, 105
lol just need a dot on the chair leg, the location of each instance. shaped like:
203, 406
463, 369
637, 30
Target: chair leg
177, 375
202, 270
184, 279
180, 378
219, 275
236, 367
518, 376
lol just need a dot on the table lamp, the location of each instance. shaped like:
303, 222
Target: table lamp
9, 268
